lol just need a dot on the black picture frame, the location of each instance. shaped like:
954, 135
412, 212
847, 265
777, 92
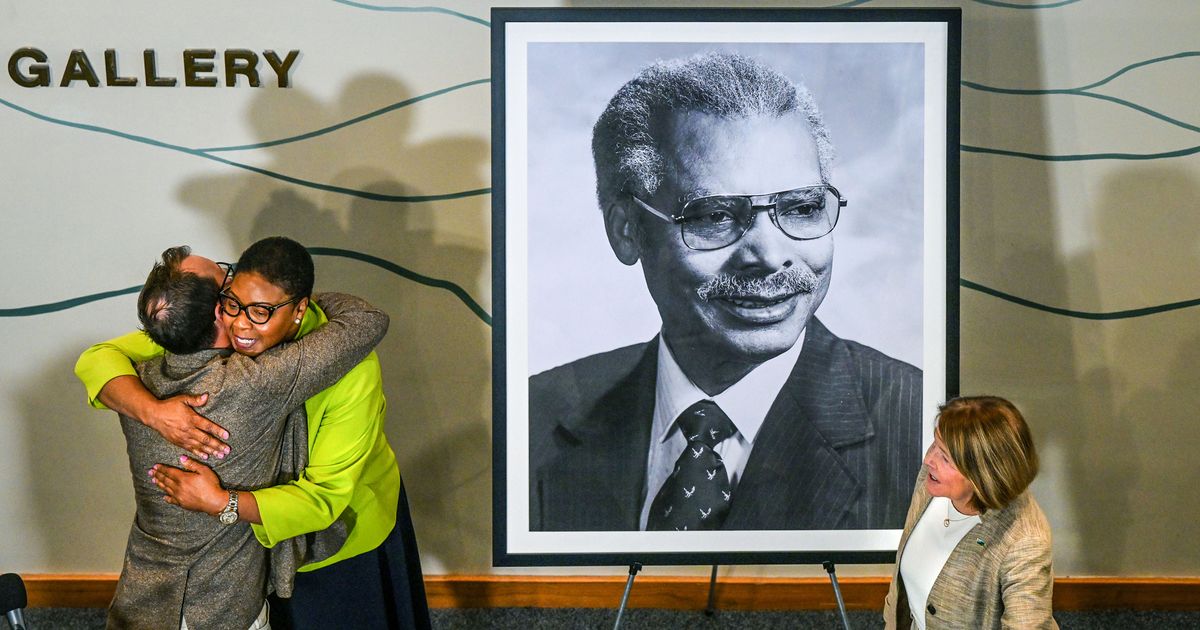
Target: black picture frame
646, 33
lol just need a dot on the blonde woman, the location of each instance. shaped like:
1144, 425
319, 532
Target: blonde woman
975, 552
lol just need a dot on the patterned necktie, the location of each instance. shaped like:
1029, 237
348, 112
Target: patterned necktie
696, 495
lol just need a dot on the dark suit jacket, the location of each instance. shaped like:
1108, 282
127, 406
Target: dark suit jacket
837, 450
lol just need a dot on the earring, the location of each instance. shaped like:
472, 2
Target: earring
297, 320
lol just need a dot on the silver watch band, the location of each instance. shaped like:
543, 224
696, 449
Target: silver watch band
229, 514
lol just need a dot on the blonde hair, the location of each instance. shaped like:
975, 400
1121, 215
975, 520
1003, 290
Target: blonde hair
989, 443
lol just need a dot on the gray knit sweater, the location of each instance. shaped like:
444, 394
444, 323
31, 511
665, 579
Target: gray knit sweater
186, 564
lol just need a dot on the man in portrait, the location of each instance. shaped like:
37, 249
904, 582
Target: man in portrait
745, 412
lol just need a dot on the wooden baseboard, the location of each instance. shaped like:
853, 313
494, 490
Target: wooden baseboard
1098, 593
70, 590
684, 593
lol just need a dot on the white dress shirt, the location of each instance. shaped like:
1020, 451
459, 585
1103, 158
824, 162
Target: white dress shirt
929, 546
746, 402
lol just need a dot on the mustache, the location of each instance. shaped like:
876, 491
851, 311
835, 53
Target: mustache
783, 282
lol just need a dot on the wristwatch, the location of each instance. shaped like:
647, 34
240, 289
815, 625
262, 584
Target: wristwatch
229, 514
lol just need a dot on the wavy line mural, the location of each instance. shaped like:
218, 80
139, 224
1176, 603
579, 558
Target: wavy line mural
353, 121
1014, 5
54, 307
1093, 315
428, 281
1083, 157
1108, 79
206, 152
408, 274
484, 316
402, 9
1085, 90
363, 194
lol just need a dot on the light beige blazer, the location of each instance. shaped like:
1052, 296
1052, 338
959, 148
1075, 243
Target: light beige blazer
999, 575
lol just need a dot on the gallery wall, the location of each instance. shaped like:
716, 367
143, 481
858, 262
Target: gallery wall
1079, 246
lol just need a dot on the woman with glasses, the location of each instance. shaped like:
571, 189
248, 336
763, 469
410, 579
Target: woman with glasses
975, 552
351, 483
352, 479
203, 568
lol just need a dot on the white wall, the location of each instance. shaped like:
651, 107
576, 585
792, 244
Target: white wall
83, 212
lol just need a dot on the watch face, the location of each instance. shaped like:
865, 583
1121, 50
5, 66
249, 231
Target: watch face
229, 515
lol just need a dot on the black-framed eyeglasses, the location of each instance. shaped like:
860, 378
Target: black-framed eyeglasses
229, 269
257, 313
716, 221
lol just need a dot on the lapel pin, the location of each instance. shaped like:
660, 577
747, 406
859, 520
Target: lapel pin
979, 541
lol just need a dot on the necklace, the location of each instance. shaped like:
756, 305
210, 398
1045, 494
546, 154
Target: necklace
946, 521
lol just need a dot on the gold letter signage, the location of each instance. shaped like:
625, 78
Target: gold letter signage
201, 67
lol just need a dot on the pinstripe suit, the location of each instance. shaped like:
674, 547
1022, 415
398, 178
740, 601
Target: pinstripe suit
1005, 582
834, 452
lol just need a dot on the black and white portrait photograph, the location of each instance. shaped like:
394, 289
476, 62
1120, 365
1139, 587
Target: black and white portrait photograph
724, 262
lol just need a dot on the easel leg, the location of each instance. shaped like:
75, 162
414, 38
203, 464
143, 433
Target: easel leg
711, 608
633, 571
837, 592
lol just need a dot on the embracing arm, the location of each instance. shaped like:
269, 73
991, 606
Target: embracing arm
1027, 584
350, 427
196, 487
106, 370
101, 363
286, 376
294, 372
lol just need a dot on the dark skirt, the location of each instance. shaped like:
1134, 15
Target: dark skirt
382, 588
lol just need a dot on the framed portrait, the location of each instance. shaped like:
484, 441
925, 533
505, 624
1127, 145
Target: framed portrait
725, 265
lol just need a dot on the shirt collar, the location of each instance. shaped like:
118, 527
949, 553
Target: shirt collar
746, 402
313, 318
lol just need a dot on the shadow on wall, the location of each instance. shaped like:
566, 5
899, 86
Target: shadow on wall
1137, 456
1010, 241
1111, 402
63, 443
436, 357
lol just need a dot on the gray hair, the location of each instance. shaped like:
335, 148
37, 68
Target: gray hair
625, 145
